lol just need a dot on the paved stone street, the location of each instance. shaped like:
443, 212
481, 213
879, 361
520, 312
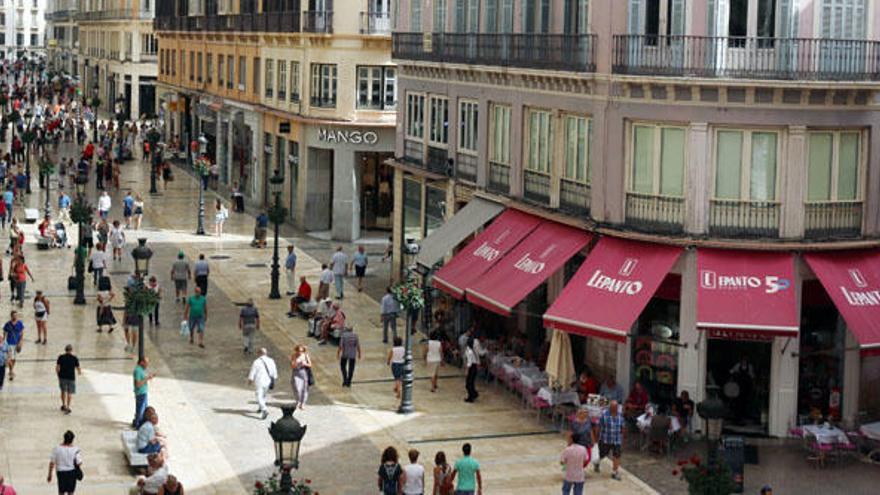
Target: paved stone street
217, 442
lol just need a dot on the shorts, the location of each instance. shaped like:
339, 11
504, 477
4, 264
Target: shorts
197, 324
433, 367
68, 386
609, 448
87, 242
138, 211
41, 317
397, 370
180, 285
11, 353
360, 271
126, 212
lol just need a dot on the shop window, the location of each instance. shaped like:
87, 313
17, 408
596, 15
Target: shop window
415, 115
294, 82
540, 141
658, 157
435, 209
282, 80
499, 129
578, 138
821, 353
377, 87
745, 165
270, 78
242, 73
655, 350
412, 210
468, 122
324, 85
834, 166
439, 130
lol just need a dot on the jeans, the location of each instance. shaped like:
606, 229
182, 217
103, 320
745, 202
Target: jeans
140, 405
151, 448
21, 287
96, 273
338, 279
389, 320
2, 375
154, 315
575, 487
347, 367
247, 340
464, 492
202, 282
469, 383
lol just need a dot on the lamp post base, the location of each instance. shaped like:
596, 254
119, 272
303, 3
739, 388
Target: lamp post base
406, 396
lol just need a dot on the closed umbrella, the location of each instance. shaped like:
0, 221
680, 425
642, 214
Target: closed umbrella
560, 365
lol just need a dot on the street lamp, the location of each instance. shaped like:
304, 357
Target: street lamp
141, 255
81, 213
156, 156
712, 410
202, 173
95, 103
287, 434
276, 183
46, 170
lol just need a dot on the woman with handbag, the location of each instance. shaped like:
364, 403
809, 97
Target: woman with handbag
104, 312
41, 315
301, 364
66, 463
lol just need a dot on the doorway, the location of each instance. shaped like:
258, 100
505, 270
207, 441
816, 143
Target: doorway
319, 202
741, 371
377, 191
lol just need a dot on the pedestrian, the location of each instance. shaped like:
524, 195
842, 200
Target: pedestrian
13, 334
104, 312
471, 364
4, 488
157, 475
104, 205
611, 437
150, 441
390, 473
196, 313
41, 316
22, 272
301, 364
359, 263
87, 231
66, 463
138, 211
8, 199
574, 457
413, 475
180, 274
67, 367
467, 469
97, 263
2, 214
172, 486
127, 209
442, 475
324, 282
248, 323
390, 310
153, 285
396, 359
220, 216
5, 350
434, 357
141, 380
117, 239
348, 353
15, 237
201, 270
262, 376
290, 270
339, 264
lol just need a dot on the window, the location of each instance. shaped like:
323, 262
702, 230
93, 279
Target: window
499, 130
220, 72
415, 20
658, 160
255, 70
834, 166
270, 78
439, 16
282, 80
415, 115
377, 87
468, 119
745, 165
438, 131
540, 141
737, 23
294, 82
578, 138
324, 85
173, 62
242, 73
199, 67
192, 63
230, 71
209, 67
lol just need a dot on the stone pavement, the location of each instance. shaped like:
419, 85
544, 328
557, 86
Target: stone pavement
217, 443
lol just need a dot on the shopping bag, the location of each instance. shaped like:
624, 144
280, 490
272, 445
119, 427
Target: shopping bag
184, 328
594, 454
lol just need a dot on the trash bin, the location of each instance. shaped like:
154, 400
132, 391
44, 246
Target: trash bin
732, 451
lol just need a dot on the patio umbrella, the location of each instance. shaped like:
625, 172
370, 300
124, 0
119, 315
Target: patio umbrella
560, 365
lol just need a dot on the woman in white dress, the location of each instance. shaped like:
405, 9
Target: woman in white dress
220, 217
117, 239
434, 357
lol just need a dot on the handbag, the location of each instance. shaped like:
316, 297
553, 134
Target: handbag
271, 378
78, 470
184, 328
90, 268
311, 376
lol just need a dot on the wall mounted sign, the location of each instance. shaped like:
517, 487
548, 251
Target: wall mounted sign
347, 136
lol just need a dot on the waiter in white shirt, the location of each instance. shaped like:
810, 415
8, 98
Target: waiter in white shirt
262, 376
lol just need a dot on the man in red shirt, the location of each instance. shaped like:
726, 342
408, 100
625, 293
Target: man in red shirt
303, 295
587, 385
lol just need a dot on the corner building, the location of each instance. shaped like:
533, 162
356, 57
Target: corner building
297, 87
720, 156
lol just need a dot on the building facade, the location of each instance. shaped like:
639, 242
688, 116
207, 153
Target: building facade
24, 26
295, 87
735, 125
117, 55
62, 35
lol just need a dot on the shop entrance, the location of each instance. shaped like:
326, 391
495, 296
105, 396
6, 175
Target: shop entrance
822, 347
741, 371
377, 193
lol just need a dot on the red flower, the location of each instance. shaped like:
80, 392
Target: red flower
308, 482
675, 472
682, 462
258, 485
695, 460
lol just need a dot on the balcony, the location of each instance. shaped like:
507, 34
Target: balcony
375, 23
318, 21
743, 219
466, 167
536, 187
413, 152
574, 197
568, 52
747, 58
656, 214
113, 14
499, 178
824, 220
438, 160
274, 22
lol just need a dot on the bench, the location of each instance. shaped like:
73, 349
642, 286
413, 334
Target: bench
129, 445
43, 242
31, 215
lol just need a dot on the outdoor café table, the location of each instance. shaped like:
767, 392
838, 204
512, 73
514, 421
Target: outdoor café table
533, 380
827, 435
595, 412
871, 430
560, 397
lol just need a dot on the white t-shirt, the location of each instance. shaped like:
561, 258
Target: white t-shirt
327, 277
99, 259
470, 358
104, 203
339, 263
398, 354
415, 483
66, 457
434, 347
154, 482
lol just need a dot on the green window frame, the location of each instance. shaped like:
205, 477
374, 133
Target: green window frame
746, 164
578, 141
658, 157
834, 166
540, 141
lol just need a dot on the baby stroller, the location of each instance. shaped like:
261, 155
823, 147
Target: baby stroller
60, 235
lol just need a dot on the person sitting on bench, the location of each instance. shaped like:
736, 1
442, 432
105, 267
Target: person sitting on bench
149, 441
303, 296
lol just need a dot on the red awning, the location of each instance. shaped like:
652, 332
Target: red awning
485, 250
747, 292
529, 264
852, 279
611, 288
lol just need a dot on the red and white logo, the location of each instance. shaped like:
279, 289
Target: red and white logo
856, 275
628, 266
708, 279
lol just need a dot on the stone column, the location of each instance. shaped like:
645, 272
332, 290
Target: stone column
697, 179
852, 367
691, 357
346, 222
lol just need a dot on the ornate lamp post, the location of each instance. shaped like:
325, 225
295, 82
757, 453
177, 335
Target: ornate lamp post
27, 137
155, 157
287, 434
139, 299
202, 170
96, 102
277, 216
47, 168
712, 410
81, 213
411, 299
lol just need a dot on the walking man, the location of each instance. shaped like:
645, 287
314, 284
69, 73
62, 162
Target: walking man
196, 314
262, 376
4, 355
180, 274
574, 457
290, 270
202, 270
339, 264
348, 352
467, 469
611, 437
141, 380
104, 204
67, 367
471, 361
324, 282
390, 310
13, 334
248, 323
359, 262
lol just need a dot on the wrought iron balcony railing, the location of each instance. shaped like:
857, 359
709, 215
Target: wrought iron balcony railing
375, 23
830, 219
318, 21
652, 213
744, 219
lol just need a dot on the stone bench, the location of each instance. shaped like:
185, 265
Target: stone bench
129, 445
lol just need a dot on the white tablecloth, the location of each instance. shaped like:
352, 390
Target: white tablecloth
827, 436
595, 412
644, 422
562, 397
871, 430
534, 380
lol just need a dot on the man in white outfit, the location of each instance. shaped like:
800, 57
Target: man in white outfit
262, 375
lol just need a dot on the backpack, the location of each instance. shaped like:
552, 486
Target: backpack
390, 477
446, 481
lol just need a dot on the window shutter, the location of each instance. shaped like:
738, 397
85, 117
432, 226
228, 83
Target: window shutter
473, 16
636, 24
460, 16
677, 17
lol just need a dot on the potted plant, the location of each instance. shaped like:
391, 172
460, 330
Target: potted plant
272, 486
705, 479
